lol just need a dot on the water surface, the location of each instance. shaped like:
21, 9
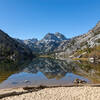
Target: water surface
45, 71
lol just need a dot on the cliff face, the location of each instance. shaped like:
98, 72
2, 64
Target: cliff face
11, 49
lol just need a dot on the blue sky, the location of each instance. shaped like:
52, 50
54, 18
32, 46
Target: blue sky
34, 18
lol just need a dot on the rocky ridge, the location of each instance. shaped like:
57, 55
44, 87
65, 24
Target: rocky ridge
48, 44
11, 49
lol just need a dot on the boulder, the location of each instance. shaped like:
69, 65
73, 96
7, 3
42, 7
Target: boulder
79, 81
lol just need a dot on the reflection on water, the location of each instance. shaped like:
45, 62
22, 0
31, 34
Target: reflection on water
50, 68
45, 71
89, 70
9, 68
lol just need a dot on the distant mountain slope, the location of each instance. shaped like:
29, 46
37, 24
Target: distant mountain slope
57, 42
11, 49
48, 44
88, 40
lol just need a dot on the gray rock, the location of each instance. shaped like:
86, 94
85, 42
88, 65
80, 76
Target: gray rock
79, 81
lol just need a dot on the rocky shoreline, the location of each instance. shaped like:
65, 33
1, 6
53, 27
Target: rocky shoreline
71, 92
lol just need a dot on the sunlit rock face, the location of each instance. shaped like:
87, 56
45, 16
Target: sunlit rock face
57, 42
89, 39
49, 43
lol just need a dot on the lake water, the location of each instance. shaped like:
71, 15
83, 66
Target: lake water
45, 71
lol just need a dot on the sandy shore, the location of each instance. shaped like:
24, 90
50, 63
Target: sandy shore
58, 93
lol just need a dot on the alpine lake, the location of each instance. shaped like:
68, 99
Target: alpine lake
47, 71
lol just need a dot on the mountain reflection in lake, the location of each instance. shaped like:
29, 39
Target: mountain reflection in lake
45, 71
